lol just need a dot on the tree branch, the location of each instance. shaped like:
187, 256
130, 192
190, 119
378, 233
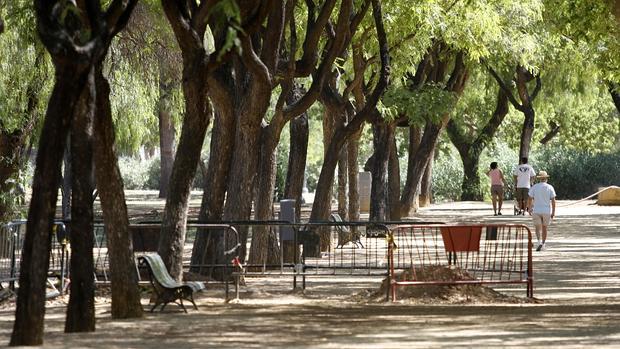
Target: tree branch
118, 15
507, 91
537, 88
337, 45
253, 62
310, 55
555, 129
274, 33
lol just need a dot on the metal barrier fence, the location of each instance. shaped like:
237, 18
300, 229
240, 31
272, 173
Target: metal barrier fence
11, 244
489, 254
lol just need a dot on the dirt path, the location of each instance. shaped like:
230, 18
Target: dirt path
577, 280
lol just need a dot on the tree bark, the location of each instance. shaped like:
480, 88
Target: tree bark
353, 169
81, 308
393, 179
527, 100
28, 325
197, 118
426, 184
125, 291
264, 248
298, 152
166, 136
614, 89
342, 185
409, 197
208, 246
378, 193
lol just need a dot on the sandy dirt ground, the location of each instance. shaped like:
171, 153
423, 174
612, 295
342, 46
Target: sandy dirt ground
577, 286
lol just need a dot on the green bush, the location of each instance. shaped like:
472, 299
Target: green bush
135, 172
447, 176
576, 174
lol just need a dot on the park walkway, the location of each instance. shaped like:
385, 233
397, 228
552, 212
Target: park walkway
576, 280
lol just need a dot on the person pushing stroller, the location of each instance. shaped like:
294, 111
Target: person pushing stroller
523, 175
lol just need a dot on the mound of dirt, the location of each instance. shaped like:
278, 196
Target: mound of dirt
438, 294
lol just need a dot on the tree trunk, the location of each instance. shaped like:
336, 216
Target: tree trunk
353, 146
379, 189
426, 184
527, 131
264, 248
197, 118
322, 204
125, 291
81, 308
527, 108
28, 325
472, 190
166, 137
342, 185
206, 250
614, 89
243, 169
410, 193
66, 182
470, 150
298, 151
393, 178
9, 149
422, 157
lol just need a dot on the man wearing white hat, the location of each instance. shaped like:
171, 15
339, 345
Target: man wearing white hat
541, 206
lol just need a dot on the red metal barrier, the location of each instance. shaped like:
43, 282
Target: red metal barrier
490, 254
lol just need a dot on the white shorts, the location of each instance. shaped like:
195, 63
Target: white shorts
541, 218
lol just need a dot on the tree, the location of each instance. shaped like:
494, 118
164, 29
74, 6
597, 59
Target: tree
74, 62
189, 24
123, 275
22, 88
322, 205
471, 133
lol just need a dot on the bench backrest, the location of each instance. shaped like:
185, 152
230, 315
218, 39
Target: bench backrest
159, 271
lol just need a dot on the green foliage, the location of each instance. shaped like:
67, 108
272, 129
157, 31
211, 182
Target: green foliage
139, 174
135, 172
429, 102
134, 104
575, 173
20, 77
447, 177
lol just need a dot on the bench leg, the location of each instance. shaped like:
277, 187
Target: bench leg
191, 299
181, 304
155, 306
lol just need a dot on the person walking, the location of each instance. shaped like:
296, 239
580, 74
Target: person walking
541, 203
497, 188
523, 175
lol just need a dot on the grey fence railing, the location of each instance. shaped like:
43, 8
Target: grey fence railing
11, 245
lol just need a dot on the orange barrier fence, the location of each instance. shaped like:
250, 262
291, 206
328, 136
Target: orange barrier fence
485, 254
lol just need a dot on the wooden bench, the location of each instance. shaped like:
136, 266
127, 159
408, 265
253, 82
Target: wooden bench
167, 289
